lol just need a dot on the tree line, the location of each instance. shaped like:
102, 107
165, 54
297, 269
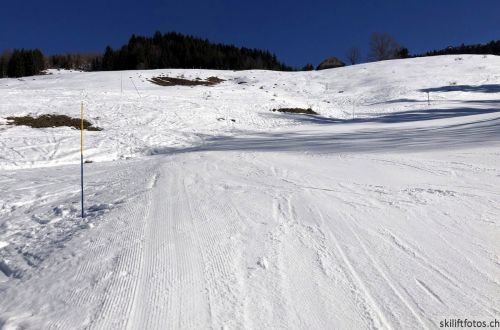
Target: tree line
30, 62
170, 50
21, 63
384, 46
491, 48
82, 62
174, 50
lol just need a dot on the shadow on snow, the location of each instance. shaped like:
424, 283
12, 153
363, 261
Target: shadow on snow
402, 116
380, 140
371, 139
488, 88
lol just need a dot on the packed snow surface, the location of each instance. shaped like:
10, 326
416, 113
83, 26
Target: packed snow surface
205, 209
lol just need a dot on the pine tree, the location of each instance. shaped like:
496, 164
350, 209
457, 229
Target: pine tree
108, 59
402, 52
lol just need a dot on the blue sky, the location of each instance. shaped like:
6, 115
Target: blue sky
298, 32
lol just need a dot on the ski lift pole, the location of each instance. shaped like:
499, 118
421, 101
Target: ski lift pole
81, 155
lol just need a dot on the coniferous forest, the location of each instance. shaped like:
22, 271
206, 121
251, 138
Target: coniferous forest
174, 50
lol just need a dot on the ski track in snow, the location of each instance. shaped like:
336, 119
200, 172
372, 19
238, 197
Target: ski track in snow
267, 222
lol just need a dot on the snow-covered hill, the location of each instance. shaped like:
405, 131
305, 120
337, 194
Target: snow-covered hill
156, 119
205, 209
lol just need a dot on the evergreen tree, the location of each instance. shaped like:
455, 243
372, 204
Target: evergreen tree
16, 66
4, 63
108, 59
402, 52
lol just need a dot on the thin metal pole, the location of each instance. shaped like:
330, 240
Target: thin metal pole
81, 156
135, 87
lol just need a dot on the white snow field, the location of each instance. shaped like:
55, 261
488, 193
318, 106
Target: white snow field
205, 210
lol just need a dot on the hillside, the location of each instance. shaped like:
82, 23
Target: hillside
205, 209
153, 119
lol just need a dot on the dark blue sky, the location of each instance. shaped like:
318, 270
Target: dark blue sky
297, 31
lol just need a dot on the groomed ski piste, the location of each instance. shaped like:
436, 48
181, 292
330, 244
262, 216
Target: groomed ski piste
206, 210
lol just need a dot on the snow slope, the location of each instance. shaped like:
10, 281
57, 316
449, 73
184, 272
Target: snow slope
158, 119
383, 212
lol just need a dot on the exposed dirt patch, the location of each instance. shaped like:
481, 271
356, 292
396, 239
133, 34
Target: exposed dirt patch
297, 110
44, 121
170, 81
